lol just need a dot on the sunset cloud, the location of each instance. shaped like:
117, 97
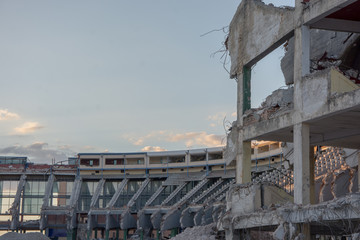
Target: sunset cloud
216, 119
6, 115
158, 135
190, 139
153, 149
220, 118
27, 128
198, 139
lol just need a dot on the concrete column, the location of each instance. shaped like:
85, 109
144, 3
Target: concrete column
243, 157
243, 161
71, 234
302, 175
312, 174
301, 62
358, 156
107, 234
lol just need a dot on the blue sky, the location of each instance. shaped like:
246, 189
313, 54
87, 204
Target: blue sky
117, 76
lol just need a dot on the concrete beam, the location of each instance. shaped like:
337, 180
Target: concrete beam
337, 25
319, 9
15, 208
127, 221
171, 220
198, 218
46, 199
155, 195
156, 219
119, 190
207, 191
95, 196
174, 193
71, 217
138, 193
144, 220
112, 221
187, 216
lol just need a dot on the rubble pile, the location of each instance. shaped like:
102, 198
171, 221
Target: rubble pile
207, 232
279, 102
23, 236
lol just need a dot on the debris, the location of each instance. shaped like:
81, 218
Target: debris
207, 232
23, 236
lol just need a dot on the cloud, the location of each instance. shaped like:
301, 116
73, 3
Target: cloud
38, 152
140, 140
198, 139
27, 128
190, 139
217, 119
153, 149
6, 115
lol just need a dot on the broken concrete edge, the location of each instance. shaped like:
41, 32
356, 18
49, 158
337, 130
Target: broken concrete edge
248, 46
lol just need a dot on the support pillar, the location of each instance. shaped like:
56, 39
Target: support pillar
304, 186
243, 161
302, 162
117, 234
243, 157
174, 231
89, 234
71, 234
107, 234
141, 234
358, 156
158, 234
301, 64
125, 234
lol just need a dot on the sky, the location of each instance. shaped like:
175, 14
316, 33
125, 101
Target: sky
118, 76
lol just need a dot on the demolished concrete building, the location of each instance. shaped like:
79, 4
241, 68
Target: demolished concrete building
320, 107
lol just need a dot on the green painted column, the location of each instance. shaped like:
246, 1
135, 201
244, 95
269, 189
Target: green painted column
174, 231
89, 234
158, 234
246, 88
141, 234
96, 233
71, 235
117, 234
107, 234
125, 234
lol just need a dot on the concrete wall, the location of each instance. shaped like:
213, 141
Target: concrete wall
255, 30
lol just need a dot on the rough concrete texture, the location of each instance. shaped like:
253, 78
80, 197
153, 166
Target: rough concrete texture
247, 40
207, 232
231, 144
324, 44
25, 236
279, 102
248, 195
280, 97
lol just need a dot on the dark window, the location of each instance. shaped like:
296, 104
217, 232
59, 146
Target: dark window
114, 161
89, 162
